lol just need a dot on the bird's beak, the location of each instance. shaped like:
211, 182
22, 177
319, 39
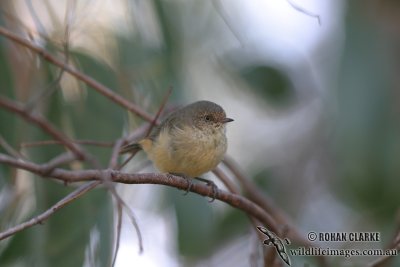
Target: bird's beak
226, 120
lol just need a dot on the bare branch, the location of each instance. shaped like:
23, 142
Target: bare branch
10, 150
137, 133
41, 170
234, 200
42, 123
57, 161
232, 188
118, 239
152, 124
113, 164
160, 109
132, 217
225, 180
254, 194
132, 154
55, 142
45, 215
106, 179
304, 11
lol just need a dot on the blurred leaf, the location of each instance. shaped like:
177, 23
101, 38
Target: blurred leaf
168, 14
145, 70
6, 118
5, 73
270, 83
368, 135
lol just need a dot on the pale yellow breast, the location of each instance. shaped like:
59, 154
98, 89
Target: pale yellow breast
189, 151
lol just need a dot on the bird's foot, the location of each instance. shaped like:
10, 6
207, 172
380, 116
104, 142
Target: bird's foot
190, 184
213, 187
187, 178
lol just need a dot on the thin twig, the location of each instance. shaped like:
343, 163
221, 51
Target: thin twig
137, 133
225, 180
113, 164
152, 124
304, 11
232, 188
254, 194
131, 155
55, 142
57, 161
133, 219
118, 239
102, 89
160, 109
47, 127
9, 149
107, 181
130, 214
45, 215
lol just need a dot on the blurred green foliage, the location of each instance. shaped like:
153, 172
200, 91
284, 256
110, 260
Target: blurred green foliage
368, 133
270, 84
7, 124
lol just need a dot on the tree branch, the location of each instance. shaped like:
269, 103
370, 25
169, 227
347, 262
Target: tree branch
10, 150
54, 142
178, 182
254, 194
45, 215
46, 126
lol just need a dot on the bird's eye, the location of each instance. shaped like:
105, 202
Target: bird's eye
207, 117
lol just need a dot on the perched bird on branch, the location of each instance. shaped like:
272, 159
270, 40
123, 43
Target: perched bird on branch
189, 142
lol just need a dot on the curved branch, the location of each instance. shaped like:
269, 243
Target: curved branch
45, 215
254, 194
232, 199
42, 123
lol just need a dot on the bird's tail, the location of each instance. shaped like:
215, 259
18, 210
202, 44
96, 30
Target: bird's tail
131, 148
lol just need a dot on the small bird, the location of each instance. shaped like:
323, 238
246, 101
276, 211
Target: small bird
189, 142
